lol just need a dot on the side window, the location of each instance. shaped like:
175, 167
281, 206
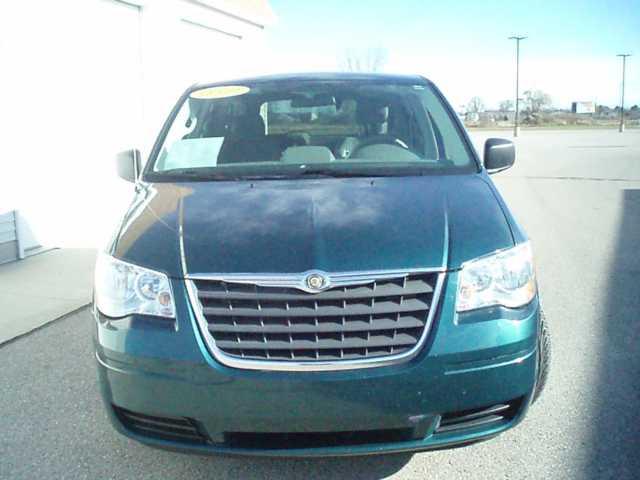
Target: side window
412, 124
439, 141
279, 118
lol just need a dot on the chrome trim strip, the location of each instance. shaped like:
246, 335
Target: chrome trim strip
488, 365
445, 241
309, 366
298, 280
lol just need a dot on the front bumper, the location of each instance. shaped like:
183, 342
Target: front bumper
162, 369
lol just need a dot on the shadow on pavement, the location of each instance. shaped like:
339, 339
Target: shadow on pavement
615, 432
354, 468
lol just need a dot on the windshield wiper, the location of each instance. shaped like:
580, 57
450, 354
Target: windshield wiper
332, 172
195, 174
199, 174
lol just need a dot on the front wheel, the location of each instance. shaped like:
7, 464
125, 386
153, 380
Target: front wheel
544, 357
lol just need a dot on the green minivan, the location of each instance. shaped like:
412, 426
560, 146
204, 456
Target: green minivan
317, 264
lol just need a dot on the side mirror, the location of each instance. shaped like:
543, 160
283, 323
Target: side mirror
499, 154
128, 165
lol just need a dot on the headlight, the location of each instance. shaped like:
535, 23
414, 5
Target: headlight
504, 278
123, 289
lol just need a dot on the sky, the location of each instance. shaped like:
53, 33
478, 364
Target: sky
462, 45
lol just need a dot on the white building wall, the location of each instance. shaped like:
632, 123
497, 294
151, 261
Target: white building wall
81, 80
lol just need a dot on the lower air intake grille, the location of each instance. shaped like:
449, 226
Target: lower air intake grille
166, 428
315, 439
479, 417
383, 317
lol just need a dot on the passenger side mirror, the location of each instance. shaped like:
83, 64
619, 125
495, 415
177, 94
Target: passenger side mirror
128, 165
499, 154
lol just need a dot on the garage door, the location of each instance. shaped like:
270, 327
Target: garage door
9, 247
72, 101
210, 54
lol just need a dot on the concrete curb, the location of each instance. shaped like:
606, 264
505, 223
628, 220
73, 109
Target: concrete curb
43, 325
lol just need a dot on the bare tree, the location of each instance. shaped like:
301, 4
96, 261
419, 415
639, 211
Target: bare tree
536, 100
506, 106
367, 60
475, 105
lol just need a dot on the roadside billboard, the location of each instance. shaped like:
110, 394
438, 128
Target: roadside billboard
583, 107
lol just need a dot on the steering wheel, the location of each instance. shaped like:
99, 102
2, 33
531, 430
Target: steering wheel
384, 139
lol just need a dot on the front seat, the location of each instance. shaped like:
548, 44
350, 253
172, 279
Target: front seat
247, 142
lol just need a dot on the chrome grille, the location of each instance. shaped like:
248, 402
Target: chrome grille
374, 318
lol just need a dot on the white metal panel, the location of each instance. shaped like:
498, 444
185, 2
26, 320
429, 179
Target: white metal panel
9, 247
209, 54
73, 101
89, 78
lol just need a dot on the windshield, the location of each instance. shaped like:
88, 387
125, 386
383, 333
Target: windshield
291, 128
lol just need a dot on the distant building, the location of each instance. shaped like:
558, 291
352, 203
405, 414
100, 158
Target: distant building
472, 116
583, 107
499, 115
604, 112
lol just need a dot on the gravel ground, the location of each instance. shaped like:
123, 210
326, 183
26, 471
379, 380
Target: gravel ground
577, 193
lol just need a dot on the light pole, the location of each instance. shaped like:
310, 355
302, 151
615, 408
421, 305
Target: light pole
624, 65
516, 128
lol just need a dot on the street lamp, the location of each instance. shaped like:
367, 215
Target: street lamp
624, 65
516, 128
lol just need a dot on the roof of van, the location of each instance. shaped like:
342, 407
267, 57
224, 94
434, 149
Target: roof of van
325, 76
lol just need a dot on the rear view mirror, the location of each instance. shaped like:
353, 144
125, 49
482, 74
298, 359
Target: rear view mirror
128, 164
499, 154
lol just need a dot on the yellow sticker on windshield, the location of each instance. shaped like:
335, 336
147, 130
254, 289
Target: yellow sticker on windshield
219, 92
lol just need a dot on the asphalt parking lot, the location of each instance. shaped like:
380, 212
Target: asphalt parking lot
577, 193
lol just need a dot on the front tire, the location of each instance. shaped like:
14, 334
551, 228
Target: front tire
544, 357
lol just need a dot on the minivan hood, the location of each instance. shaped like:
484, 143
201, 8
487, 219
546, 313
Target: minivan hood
329, 224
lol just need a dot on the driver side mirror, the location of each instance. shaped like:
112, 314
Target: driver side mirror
499, 154
128, 164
